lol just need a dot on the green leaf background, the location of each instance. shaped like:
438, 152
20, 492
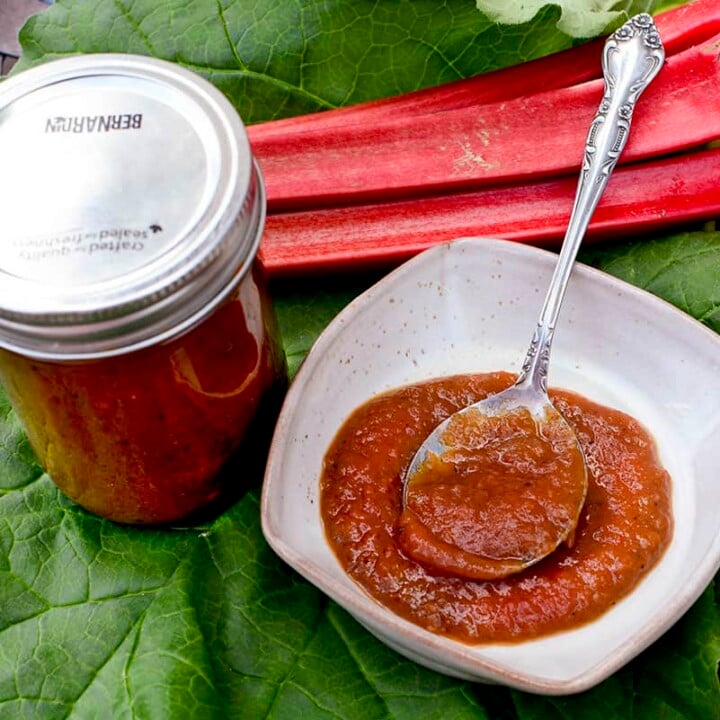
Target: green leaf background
282, 57
99, 620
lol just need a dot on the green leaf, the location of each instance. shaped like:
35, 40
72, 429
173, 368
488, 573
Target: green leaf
303, 313
96, 618
682, 269
274, 58
661, 5
18, 466
578, 18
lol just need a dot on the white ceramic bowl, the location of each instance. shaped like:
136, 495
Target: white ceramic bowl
471, 306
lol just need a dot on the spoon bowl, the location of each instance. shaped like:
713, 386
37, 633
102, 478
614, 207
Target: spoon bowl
540, 492
519, 430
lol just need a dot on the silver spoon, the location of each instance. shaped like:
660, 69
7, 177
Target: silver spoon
632, 57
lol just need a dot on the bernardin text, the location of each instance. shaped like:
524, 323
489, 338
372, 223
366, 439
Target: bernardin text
93, 123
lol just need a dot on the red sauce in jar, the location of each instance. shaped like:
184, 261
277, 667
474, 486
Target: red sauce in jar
624, 528
141, 437
139, 346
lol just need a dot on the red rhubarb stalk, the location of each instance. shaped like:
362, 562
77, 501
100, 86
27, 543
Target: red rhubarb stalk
529, 137
680, 28
641, 197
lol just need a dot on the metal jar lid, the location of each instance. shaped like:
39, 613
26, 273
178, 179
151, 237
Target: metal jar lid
129, 205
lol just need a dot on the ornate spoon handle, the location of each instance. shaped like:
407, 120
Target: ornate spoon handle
632, 57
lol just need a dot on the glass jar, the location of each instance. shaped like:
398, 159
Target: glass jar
138, 345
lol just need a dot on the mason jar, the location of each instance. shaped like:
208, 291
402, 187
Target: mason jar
138, 345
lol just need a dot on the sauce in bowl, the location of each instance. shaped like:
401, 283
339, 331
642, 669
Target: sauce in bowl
625, 526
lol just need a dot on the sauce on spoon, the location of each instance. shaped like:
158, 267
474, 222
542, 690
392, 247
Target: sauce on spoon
508, 486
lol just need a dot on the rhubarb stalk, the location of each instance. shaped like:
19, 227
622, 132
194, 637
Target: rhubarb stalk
528, 137
641, 197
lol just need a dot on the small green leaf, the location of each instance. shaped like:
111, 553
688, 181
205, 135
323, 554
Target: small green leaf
305, 308
18, 465
578, 18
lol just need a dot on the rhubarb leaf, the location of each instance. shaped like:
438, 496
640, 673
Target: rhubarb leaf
578, 18
661, 5
100, 620
303, 313
275, 58
682, 269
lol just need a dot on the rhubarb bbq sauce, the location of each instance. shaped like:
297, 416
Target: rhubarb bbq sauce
138, 344
624, 527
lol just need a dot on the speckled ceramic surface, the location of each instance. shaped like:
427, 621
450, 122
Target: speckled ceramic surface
471, 306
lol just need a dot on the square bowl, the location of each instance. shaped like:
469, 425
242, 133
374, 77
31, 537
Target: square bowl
471, 306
